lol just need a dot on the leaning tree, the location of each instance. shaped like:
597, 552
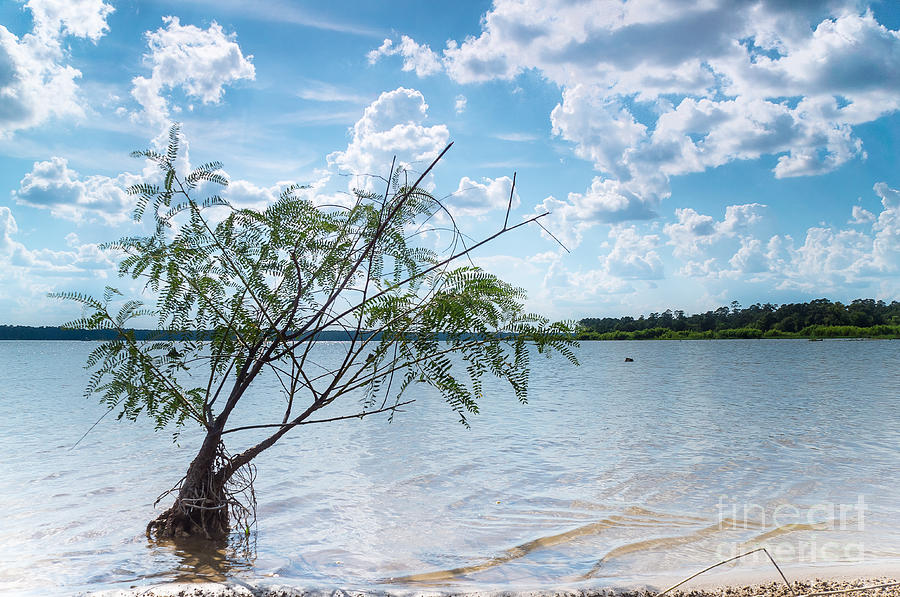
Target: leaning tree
240, 293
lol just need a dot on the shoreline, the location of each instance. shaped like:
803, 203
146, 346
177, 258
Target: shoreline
644, 335
802, 588
810, 338
853, 580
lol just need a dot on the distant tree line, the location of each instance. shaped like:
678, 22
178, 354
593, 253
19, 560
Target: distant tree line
817, 318
24, 332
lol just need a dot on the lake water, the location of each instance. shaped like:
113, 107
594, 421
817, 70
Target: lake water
615, 473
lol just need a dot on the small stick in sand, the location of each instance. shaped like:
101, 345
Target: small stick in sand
708, 568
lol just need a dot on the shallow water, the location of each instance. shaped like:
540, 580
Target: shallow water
614, 473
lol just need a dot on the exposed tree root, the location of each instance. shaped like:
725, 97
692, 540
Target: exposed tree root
207, 504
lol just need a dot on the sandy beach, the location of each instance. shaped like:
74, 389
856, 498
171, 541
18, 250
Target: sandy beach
813, 587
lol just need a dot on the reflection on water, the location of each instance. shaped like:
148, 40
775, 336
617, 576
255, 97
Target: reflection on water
612, 474
204, 560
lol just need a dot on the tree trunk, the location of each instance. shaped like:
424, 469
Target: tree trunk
202, 504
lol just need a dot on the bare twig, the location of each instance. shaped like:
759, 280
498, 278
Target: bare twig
544, 228
512, 190
331, 420
97, 422
708, 568
777, 567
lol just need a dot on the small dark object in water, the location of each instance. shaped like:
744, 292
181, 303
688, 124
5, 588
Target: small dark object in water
629, 360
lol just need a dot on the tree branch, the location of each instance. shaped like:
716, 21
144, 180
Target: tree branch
359, 415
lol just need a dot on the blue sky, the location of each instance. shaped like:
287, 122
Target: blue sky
690, 153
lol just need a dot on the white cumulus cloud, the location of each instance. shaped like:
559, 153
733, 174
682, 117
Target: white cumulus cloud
36, 83
52, 185
607, 200
78, 259
861, 216
757, 78
700, 240
886, 244
633, 255
827, 259
81, 18
460, 104
392, 125
473, 198
199, 61
416, 57
8, 228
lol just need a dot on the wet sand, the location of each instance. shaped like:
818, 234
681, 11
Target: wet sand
802, 588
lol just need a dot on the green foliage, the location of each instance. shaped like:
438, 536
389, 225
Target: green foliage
850, 331
263, 285
744, 333
817, 331
859, 318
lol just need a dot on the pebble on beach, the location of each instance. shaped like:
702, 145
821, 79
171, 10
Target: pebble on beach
774, 589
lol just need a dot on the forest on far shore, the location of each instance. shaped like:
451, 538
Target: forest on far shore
820, 318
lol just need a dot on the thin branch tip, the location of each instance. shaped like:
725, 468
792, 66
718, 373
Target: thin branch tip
512, 191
